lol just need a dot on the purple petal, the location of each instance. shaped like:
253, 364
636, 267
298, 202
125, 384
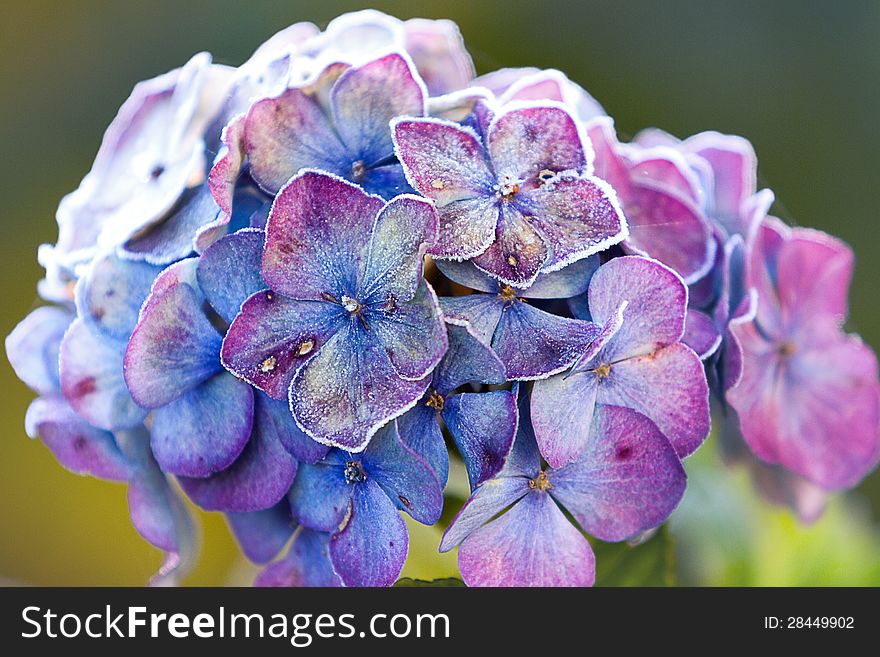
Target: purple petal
483, 426
656, 308
32, 348
665, 168
481, 312
447, 163
307, 563
78, 446
534, 344
609, 164
412, 334
262, 534
486, 502
224, 174
272, 338
467, 360
259, 478
577, 216
229, 271
670, 229
370, 549
318, 236
109, 297
562, 416
92, 379
420, 429
173, 349
526, 141
350, 389
366, 98
274, 417
628, 480
320, 497
814, 410
205, 430
518, 252
285, 134
405, 477
533, 544
403, 230
701, 334
552, 85
669, 387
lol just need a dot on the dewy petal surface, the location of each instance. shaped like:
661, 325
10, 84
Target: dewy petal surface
533, 544
628, 480
318, 236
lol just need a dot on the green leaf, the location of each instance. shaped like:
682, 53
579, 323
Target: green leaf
651, 563
406, 582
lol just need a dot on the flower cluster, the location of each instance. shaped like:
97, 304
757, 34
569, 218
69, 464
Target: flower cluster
244, 309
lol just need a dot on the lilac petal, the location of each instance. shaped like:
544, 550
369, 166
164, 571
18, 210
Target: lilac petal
562, 416
262, 534
518, 252
533, 544
370, 549
467, 360
173, 238
32, 348
318, 237
734, 168
815, 411
609, 165
273, 416
273, 336
813, 273
467, 228
205, 430
439, 54
443, 160
526, 141
420, 429
412, 334
320, 497
577, 216
553, 85
486, 502
598, 346
405, 477
257, 480
403, 230
285, 134
665, 168
306, 564
78, 446
534, 344
628, 480
110, 295
366, 98
92, 379
656, 309
157, 512
483, 426
701, 334
224, 174
481, 312
350, 389
669, 387
570, 281
173, 349
670, 229
229, 271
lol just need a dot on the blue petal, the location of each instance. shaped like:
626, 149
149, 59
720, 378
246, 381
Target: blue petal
307, 563
274, 416
467, 359
229, 271
320, 496
262, 534
32, 348
420, 429
206, 429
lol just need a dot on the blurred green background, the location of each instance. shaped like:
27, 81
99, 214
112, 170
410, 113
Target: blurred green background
800, 79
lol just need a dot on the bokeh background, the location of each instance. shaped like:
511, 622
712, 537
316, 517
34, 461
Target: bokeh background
800, 79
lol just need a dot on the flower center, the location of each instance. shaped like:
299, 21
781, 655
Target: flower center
507, 186
435, 401
351, 305
354, 472
540, 483
786, 350
358, 169
602, 371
